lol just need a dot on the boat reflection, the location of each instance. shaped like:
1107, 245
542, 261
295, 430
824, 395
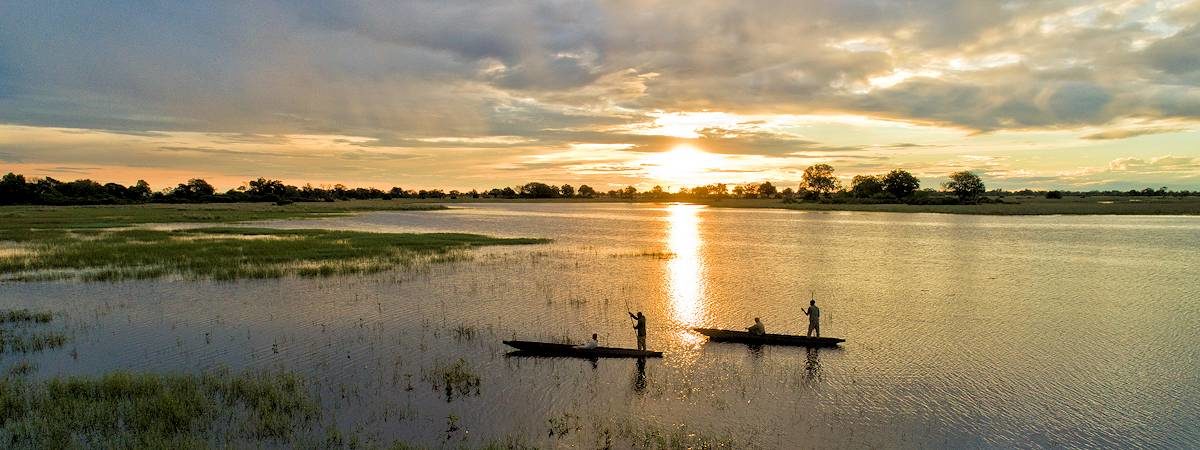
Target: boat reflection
685, 271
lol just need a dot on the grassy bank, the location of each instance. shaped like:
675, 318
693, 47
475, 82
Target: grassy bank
226, 253
128, 410
1014, 205
99, 243
16, 222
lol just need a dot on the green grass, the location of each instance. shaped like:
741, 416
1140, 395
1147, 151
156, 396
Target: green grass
15, 337
29, 223
1015, 205
226, 253
123, 410
25, 316
99, 243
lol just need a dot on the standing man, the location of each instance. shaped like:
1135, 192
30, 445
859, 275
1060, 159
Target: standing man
814, 317
640, 326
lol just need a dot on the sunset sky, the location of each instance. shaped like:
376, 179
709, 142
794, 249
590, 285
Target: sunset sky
456, 95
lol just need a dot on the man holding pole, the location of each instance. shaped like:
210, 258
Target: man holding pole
640, 326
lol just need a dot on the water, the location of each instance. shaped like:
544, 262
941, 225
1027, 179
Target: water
961, 330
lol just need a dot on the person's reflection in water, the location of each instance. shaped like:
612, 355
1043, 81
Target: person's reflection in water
756, 350
812, 364
639, 380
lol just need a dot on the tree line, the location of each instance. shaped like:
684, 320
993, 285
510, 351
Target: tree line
818, 184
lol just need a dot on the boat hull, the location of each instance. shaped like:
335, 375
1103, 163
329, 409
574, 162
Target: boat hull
745, 337
531, 348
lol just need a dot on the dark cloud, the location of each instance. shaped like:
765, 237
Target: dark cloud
1128, 133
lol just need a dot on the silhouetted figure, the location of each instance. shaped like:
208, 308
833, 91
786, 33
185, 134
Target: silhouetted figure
640, 326
814, 318
757, 329
592, 344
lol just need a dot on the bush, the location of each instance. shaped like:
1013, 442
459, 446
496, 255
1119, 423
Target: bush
1054, 195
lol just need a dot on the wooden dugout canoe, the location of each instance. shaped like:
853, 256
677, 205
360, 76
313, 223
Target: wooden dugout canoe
717, 335
531, 348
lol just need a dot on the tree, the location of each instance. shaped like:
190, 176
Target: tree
629, 192
819, 178
586, 191
767, 190
965, 185
13, 190
866, 186
657, 192
140, 191
567, 190
538, 190
900, 183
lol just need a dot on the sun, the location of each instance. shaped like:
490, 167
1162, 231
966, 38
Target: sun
683, 165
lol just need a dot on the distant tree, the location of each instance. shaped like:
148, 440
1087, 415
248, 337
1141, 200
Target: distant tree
538, 190
508, 192
657, 192
1054, 195
865, 186
788, 193
629, 192
396, 192
965, 185
567, 190
14, 190
140, 191
263, 188
767, 190
900, 183
739, 191
586, 191
819, 178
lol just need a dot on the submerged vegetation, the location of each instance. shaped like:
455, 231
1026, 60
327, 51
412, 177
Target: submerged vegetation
15, 337
225, 253
123, 410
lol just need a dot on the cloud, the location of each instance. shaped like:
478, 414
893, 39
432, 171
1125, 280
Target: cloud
486, 85
1128, 133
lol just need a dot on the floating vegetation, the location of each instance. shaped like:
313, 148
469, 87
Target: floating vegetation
123, 410
227, 253
453, 378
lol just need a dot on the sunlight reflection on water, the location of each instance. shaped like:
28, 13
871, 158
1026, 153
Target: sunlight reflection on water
685, 271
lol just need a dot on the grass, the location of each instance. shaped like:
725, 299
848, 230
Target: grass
25, 340
122, 410
25, 316
27, 223
1015, 205
96, 244
453, 378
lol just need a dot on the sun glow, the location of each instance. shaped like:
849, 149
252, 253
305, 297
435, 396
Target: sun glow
684, 165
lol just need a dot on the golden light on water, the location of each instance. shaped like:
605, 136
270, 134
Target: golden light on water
685, 271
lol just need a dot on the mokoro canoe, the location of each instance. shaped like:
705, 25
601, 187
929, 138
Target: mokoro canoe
745, 337
530, 348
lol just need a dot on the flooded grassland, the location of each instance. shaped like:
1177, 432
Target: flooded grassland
961, 331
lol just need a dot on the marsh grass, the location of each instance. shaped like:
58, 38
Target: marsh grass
226, 253
453, 378
25, 316
18, 336
644, 254
123, 410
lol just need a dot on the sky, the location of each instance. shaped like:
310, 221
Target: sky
460, 95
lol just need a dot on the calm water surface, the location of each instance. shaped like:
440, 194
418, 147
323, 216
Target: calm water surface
961, 330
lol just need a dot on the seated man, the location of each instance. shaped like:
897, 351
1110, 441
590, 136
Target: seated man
757, 329
592, 344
